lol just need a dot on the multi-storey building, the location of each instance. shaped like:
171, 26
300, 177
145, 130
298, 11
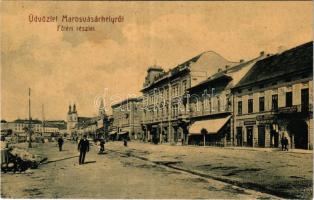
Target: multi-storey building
210, 106
127, 115
274, 100
165, 117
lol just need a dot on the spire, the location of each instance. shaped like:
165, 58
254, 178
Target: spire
101, 110
74, 108
69, 112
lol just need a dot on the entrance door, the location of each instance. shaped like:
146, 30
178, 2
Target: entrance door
305, 99
299, 129
274, 138
239, 136
261, 136
249, 136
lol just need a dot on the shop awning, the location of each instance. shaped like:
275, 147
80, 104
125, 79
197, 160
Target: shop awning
112, 132
212, 126
127, 129
122, 132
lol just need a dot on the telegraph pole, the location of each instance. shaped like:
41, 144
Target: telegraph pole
29, 119
43, 122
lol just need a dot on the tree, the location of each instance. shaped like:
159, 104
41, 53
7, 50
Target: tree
204, 132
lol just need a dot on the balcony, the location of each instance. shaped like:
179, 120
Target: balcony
214, 111
295, 109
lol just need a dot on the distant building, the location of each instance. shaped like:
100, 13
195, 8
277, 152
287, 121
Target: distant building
79, 126
126, 119
274, 100
19, 129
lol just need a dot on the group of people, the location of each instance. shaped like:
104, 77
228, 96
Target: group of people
284, 144
83, 147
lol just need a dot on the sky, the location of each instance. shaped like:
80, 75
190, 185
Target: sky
111, 62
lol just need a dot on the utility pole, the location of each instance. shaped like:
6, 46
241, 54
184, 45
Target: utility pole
29, 119
43, 122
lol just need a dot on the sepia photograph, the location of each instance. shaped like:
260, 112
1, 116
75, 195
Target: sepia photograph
156, 99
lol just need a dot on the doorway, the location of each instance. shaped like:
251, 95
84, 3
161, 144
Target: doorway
249, 136
299, 129
261, 136
274, 137
239, 136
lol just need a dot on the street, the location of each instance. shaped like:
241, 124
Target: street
113, 175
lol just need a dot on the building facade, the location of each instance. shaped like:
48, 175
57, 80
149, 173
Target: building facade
211, 106
127, 116
274, 100
165, 117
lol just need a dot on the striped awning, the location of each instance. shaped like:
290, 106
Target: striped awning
122, 132
212, 126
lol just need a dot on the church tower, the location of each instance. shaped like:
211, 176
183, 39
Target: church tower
101, 110
72, 120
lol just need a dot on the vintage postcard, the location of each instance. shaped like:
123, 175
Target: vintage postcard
157, 99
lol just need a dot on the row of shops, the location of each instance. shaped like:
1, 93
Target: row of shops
251, 103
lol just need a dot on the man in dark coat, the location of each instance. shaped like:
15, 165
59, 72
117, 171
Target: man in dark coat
83, 147
60, 143
282, 143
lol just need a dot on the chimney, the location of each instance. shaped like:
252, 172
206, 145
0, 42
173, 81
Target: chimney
262, 53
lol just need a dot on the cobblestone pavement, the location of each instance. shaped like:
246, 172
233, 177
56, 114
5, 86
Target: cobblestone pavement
115, 174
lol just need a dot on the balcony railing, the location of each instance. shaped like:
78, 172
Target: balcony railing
214, 111
295, 109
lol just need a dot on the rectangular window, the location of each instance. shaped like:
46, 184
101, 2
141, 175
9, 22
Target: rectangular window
274, 105
240, 107
218, 104
250, 106
288, 99
261, 104
184, 86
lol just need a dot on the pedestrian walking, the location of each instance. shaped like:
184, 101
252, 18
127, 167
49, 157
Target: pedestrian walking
282, 141
60, 143
83, 147
286, 143
125, 142
102, 146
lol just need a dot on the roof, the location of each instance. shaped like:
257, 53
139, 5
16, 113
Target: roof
234, 73
294, 60
208, 60
138, 99
26, 121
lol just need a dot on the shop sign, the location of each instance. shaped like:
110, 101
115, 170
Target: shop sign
251, 122
266, 121
292, 109
264, 117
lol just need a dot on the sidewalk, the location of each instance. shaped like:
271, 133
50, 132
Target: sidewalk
288, 175
266, 149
